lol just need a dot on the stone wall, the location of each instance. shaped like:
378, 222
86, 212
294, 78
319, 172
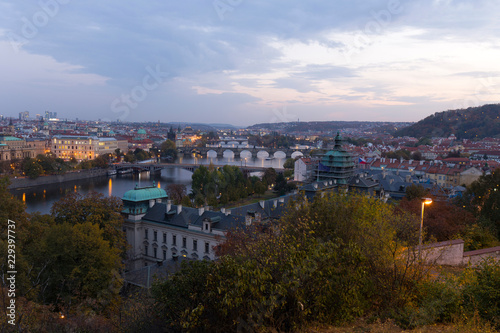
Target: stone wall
444, 253
17, 183
475, 257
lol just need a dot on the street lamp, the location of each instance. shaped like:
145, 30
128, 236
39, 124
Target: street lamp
425, 201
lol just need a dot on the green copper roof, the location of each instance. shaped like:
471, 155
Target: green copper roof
144, 194
141, 131
9, 138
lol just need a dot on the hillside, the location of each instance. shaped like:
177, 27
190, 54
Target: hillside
329, 126
472, 123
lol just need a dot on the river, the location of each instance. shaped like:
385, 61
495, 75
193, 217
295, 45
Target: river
41, 198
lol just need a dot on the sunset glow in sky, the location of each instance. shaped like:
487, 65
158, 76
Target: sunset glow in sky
248, 61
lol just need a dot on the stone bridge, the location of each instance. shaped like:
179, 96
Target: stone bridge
156, 167
237, 151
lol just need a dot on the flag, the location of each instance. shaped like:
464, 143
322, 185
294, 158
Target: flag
322, 167
361, 161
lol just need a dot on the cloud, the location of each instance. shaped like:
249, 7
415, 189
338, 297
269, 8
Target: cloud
255, 55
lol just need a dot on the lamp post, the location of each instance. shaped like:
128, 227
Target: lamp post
425, 201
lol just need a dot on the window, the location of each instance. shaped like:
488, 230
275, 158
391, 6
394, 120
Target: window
154, 252
164, 254
155, 235
206, 226
164, 237
195, 245
145, 232
174, 240
184, 242
146, 250
207, 247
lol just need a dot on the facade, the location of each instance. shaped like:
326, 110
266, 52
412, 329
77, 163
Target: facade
303, 169
16, 148
79, 147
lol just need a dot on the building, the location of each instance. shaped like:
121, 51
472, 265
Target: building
79, 147
24, 115
17, 148
159, 231
336, 164
304, 169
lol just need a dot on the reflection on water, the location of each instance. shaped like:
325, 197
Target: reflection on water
41, 198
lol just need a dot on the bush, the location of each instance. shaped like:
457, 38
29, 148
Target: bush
481, 292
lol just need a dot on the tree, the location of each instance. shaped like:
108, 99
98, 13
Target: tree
289, 163
168, 150
269, 176
482, 198
75, 208
328, 261
176, 192
415, 191
31, 168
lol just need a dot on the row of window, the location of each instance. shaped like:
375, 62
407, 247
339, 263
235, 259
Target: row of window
155, 250
174, 240
73, 147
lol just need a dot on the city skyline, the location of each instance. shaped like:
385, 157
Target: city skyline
242, 62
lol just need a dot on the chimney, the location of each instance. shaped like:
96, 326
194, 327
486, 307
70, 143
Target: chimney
179, 209
391, 181
151, 203
315, 186
169, 205
262, 204
248, 219
282, 200
201, 210
223, 210
228, 212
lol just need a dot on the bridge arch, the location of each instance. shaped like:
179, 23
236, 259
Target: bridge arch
211, 153
228, 153
296, 154
246, 154
279, 154
262, 154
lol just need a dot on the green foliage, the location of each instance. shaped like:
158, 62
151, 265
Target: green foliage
141, 155
481, 291
415, 191
269, 177
168, 149
482, 198
31, 168
289, 163
434, 302
329, 261
222, 185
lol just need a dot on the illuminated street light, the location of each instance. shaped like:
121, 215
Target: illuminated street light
425, 201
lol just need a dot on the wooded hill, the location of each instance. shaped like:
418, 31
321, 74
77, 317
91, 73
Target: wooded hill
471, 123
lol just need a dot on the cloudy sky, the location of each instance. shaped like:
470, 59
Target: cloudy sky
248, 61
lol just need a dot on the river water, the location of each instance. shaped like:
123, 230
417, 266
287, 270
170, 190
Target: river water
41, 198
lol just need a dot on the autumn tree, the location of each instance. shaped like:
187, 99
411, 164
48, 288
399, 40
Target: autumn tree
176, 192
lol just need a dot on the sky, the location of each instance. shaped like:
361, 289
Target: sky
248, 61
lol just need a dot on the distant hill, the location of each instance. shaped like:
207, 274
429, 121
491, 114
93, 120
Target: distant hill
472, 123
329, 126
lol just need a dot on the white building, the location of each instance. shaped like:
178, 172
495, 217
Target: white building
303, 169
158, 231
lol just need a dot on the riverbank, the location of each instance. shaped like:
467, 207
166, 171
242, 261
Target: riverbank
18, 183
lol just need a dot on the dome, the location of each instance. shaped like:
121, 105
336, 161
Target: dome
141, 131
144, 194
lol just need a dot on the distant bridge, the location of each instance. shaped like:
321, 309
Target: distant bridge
237, 151
157, 167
